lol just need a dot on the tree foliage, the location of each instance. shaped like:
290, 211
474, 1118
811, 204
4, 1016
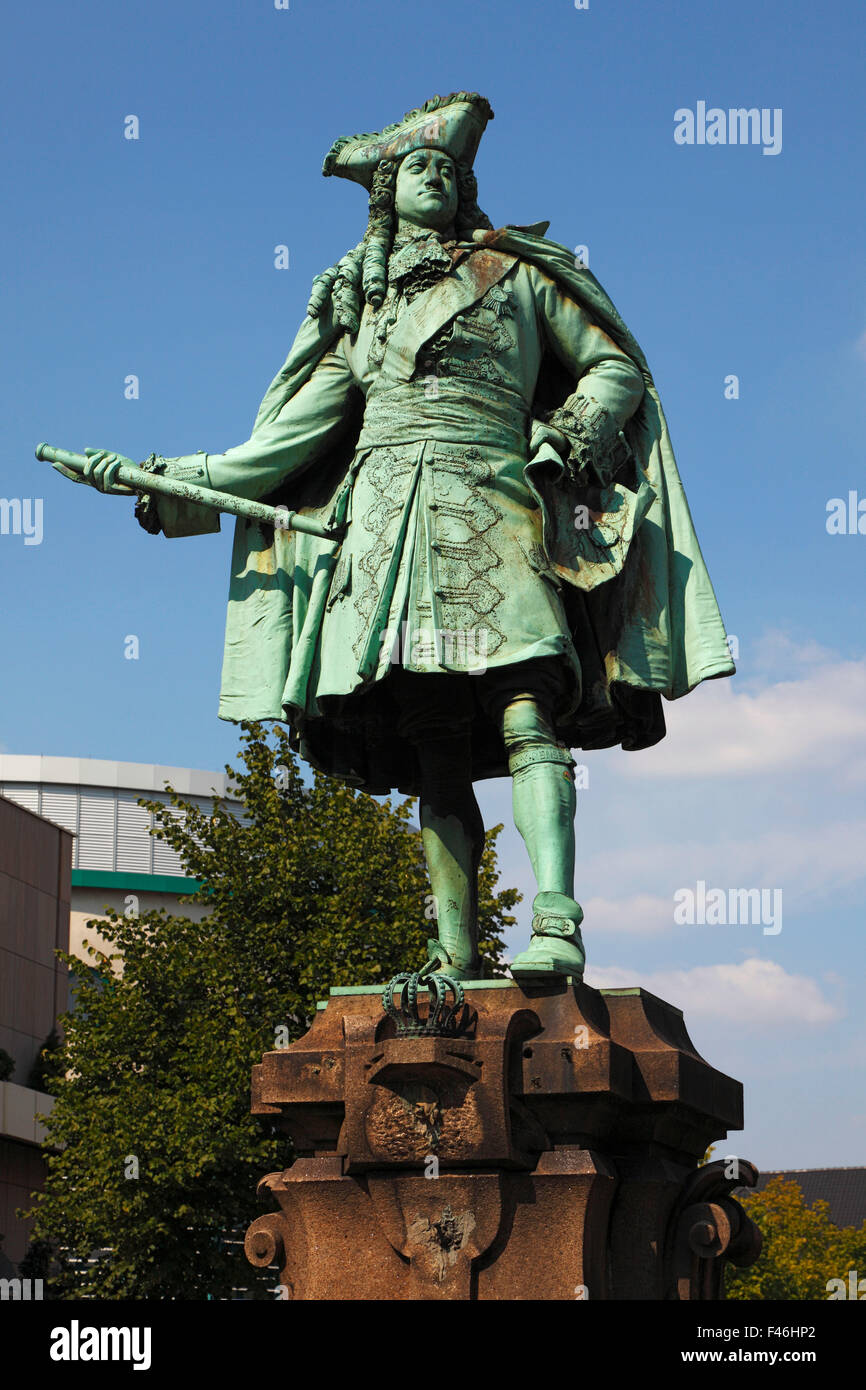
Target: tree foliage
42, 1073
803, 1251
156, 1157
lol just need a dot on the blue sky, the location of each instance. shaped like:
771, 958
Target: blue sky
155, 257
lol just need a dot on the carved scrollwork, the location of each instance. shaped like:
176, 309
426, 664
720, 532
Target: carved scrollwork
263, 1243
707, 1228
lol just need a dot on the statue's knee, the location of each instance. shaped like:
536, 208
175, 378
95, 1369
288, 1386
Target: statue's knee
525, 721
530, 738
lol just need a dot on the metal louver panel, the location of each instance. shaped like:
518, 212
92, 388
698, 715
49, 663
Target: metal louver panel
165, 859
60, 804
96, 828
28, 797
134, 844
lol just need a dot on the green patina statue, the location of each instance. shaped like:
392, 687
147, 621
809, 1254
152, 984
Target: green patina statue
505, 567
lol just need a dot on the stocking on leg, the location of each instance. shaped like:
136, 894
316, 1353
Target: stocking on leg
452, 831
544, 803
543, 795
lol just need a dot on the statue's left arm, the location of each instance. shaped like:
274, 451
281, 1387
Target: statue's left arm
609, 386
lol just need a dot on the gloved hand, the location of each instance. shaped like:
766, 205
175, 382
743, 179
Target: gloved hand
101, 469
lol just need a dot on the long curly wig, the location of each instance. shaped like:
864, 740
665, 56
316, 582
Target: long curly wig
362, 275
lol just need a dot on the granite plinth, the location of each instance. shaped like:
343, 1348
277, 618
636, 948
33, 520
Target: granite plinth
549, 1150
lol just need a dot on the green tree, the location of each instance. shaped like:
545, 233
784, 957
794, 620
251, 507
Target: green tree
152, 1179
802, 1248
42, 1077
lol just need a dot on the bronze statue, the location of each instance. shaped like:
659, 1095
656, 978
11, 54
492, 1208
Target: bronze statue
504, 566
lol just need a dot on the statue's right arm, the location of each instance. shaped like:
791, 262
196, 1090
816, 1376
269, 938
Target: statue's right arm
304, 430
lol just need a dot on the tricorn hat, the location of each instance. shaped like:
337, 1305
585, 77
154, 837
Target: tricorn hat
454, 123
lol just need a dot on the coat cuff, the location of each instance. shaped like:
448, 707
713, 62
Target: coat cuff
597, 448
172, 515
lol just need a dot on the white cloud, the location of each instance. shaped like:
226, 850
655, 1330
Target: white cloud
805, 862
642, 913
777, 656
755, 994
814, 721
759, 789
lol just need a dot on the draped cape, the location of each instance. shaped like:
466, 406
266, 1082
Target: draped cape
638, 596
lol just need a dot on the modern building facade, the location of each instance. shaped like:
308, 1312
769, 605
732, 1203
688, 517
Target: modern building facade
116, 863
73, 842
35, 868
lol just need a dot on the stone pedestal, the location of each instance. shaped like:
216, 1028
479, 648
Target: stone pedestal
547, 1150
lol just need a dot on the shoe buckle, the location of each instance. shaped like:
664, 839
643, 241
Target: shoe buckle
543, 925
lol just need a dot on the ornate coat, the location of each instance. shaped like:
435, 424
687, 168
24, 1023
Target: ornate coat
497, 453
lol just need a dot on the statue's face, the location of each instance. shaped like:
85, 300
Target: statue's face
426, 192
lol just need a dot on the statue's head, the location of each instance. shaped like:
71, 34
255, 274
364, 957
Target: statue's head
425, 189
419, 174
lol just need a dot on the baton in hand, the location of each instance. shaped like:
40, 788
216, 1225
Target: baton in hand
140, 480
